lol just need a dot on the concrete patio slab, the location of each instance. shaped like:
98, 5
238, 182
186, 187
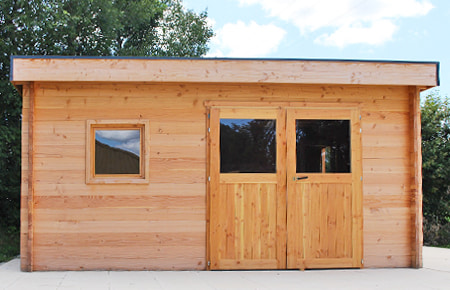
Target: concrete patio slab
434, 275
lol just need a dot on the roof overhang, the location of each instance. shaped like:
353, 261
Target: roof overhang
219, 70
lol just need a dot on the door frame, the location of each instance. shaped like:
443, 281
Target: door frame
357, 207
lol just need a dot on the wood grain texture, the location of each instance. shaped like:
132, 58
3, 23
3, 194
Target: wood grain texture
325, 210
416, 182
247, 210
224, 71
174, 200
26, 200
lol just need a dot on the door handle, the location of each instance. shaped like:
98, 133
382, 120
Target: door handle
300, 178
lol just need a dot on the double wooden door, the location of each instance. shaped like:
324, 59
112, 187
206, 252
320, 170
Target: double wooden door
284, 187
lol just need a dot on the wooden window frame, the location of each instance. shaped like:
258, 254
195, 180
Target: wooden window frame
142, 177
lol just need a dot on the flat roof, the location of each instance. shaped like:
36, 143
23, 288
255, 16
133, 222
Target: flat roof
223, 70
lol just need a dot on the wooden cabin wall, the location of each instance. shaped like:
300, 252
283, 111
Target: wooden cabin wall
162, 225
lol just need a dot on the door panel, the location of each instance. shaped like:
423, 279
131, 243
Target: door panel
323, 218
247, 210
274, 216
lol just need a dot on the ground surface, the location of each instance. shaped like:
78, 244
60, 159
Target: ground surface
434, 275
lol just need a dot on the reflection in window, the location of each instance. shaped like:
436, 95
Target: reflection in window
247, 146
117, 151
323, 146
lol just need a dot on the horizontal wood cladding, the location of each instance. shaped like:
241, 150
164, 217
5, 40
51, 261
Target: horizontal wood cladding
225, 71
162, 225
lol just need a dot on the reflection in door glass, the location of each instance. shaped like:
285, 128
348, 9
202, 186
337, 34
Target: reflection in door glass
247, 146
323, 146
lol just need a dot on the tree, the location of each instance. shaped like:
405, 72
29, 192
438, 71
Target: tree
436, 169
82, 28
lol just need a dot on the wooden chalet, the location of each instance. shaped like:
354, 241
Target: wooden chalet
236, 163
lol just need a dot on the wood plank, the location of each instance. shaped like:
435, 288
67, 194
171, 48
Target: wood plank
213, 70
372, 237
340, 222
228, 217
118, 201
70, 263
416, 182
356, 188
387, 261
334, 178
26, 207
119, 214
126, 252
379, 140
214, 189
388, 214
31, 176
161, 96
120, 240
384, 189
378, 165
387, 201
118, 226
384, 129
262, 264
389, 249
248, 178
328, 263
295, 242
385, 153
248, 113
316, 113
387, 178
77, 97
385, 117
280, 191
52, 188
139, 111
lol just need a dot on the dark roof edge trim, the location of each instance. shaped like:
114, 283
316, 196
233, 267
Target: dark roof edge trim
219, 58
438, 77
11, 63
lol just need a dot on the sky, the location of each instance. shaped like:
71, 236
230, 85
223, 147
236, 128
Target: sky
128, 140
411, 30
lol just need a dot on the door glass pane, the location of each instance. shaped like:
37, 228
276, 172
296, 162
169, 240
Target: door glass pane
323, 146
247, 146
117, 151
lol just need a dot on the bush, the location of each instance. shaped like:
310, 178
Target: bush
436, 169
9, 243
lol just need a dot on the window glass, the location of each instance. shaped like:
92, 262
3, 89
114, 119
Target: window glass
323, 146
117, 151
247, 146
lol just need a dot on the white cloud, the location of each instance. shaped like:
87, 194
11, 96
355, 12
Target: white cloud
133, 145
344, 17
118, 135
380, 32
124, 139
246, 40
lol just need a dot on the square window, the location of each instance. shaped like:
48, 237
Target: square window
323, 146
116, 151
248, 146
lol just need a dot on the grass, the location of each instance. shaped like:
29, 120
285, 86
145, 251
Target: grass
9, 243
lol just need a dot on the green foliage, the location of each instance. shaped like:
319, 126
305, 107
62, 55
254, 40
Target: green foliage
436, 169
81, 28
181, 31
9, 242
